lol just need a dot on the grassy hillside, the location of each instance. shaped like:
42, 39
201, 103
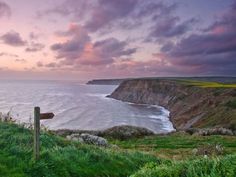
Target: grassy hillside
60, 157
177, 146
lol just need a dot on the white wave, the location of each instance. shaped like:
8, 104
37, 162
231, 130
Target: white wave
58, 94
100, 95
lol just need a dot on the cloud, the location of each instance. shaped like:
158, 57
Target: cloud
218, 38
39, 64
79, 49
5, 10
20, 60
169, 27
8, 54
107, 14
33, 36
212, 51
51, 65
13, 38
35, 47
105, 52
74, 46
184, 49
77, 9
109, 11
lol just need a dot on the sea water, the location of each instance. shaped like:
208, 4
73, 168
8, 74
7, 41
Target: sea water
78, 106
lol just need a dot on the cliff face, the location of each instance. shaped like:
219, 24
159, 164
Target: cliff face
189, 106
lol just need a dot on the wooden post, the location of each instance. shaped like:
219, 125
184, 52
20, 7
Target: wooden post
37, 118
36, 132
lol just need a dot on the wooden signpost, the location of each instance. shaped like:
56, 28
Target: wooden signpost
37, 117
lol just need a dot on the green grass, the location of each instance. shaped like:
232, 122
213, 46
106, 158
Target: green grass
204, 84
203, 167
60, 157
177, 145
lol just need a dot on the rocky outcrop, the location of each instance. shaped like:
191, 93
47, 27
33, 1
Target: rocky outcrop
116, 132
189, 106
88, 139
126, 132
211, 131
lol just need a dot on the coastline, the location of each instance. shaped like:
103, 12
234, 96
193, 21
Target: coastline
166, 112
192, 104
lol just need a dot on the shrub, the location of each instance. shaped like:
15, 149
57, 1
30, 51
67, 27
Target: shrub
231, 104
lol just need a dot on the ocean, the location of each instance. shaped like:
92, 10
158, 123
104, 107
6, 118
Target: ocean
78, 106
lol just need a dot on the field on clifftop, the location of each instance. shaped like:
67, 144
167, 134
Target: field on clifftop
150, 156
205, 84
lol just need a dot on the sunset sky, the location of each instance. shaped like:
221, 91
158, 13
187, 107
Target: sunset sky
86, 39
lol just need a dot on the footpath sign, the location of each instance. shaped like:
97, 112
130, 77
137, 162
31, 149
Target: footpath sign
37, 117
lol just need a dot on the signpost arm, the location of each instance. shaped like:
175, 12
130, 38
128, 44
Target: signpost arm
36, 132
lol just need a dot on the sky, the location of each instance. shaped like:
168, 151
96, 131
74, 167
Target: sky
82, 40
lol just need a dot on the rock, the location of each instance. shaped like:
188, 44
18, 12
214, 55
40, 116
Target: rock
234, 132
92, 139
88, 139
209, 150
117, 132
211, 131
126, 131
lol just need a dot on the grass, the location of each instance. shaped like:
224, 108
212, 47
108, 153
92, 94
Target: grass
204, 84
203, 167
178, 145
60, 157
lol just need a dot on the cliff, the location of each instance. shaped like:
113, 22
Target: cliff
105, 82
190, 104
118, 81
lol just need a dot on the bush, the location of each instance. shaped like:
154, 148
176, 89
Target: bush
231, 104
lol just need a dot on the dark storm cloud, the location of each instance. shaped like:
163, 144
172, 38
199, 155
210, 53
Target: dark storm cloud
5, 10
13, 38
